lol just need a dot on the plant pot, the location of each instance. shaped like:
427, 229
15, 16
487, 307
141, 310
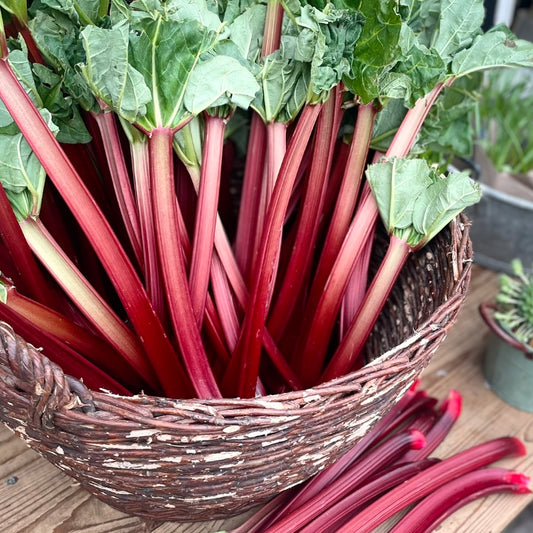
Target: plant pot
502, 220
507, 365
509, 372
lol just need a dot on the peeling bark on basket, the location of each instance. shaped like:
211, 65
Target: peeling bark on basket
205, 459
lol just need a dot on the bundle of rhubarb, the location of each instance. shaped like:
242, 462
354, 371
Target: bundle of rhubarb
191, 188
390, 471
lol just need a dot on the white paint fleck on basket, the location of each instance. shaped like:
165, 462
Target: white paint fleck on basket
171, 459
137, 433
128, 465
221, 456
310, 395
231, 429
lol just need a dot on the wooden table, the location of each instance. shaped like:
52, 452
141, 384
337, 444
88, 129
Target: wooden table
35, 497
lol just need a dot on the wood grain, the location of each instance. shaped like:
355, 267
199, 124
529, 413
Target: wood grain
36, 498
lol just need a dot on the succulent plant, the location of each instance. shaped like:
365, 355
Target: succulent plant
515, 303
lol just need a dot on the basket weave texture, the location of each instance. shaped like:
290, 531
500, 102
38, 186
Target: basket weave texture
190, 460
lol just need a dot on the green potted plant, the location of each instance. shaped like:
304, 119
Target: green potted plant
508, 364
504, 157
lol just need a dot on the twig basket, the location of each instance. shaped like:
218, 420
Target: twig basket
204, 459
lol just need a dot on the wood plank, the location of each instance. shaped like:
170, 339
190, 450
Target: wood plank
35, 497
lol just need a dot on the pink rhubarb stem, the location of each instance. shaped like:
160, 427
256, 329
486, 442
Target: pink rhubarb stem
98, 231
330, 520
350, 348
348, 193
173, 264
444, 501
250, 196
120, 179
206, 213
250, 342
304, 244
29, 277
141, 173
70, 361
430, 479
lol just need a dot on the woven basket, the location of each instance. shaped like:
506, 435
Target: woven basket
190, 460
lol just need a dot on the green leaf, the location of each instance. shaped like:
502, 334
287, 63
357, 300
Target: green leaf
18, 59
246, 31
377, 49
459, 22
442, 201
285, 85
414, 202
21, 173
396, 184
109, 74
221, 80
58, 39
496, 48
80, 11
65, 112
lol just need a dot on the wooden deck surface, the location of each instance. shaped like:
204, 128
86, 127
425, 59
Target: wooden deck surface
36, 498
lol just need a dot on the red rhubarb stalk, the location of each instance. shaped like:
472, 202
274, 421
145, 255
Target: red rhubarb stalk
206, 213
444, 501
430, 479
141, 174
250, 196
120, 178
70, 361
449, 413
248, 350
331, 519
88, 345
29, 277
304, 243
173, 264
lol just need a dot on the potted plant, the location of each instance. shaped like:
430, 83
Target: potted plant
504, 158
508, 362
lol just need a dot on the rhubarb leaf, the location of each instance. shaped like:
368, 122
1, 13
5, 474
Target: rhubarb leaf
414, 201
377, 49
83, 12
65, 112
496, 48
396, 184
44, 87
109, 74
58, 39
459, 22
21, 173
220, 81
442, 201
